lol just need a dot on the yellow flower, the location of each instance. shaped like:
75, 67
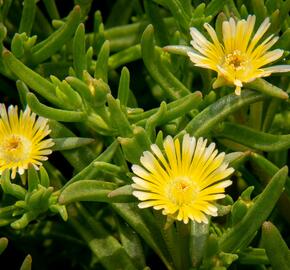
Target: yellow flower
185, 181
21, 140
239, 59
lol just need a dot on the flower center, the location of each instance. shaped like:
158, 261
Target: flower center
236, 60
15, 148
182, 190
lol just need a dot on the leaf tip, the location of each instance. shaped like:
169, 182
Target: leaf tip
267, 226
6, 53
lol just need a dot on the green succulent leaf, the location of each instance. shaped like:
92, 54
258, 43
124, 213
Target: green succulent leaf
252, 138
276, 248
239, 235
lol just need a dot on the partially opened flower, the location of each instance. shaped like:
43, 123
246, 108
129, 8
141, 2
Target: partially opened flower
240, 59
185, 181
21, 140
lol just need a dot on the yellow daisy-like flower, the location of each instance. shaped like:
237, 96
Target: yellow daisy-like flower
185, 181
21, 140
239, 59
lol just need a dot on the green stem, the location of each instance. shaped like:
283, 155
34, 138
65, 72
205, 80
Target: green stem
198, 240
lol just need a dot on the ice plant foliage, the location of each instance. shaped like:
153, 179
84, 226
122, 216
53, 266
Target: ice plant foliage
21, 140
185, 181
240, 58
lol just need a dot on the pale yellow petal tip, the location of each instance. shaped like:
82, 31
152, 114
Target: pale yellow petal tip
238, 90
22, 140
277, 69
183, 179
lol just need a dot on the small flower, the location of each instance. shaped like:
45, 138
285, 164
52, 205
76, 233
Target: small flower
21, 140
185, 181
239, 59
